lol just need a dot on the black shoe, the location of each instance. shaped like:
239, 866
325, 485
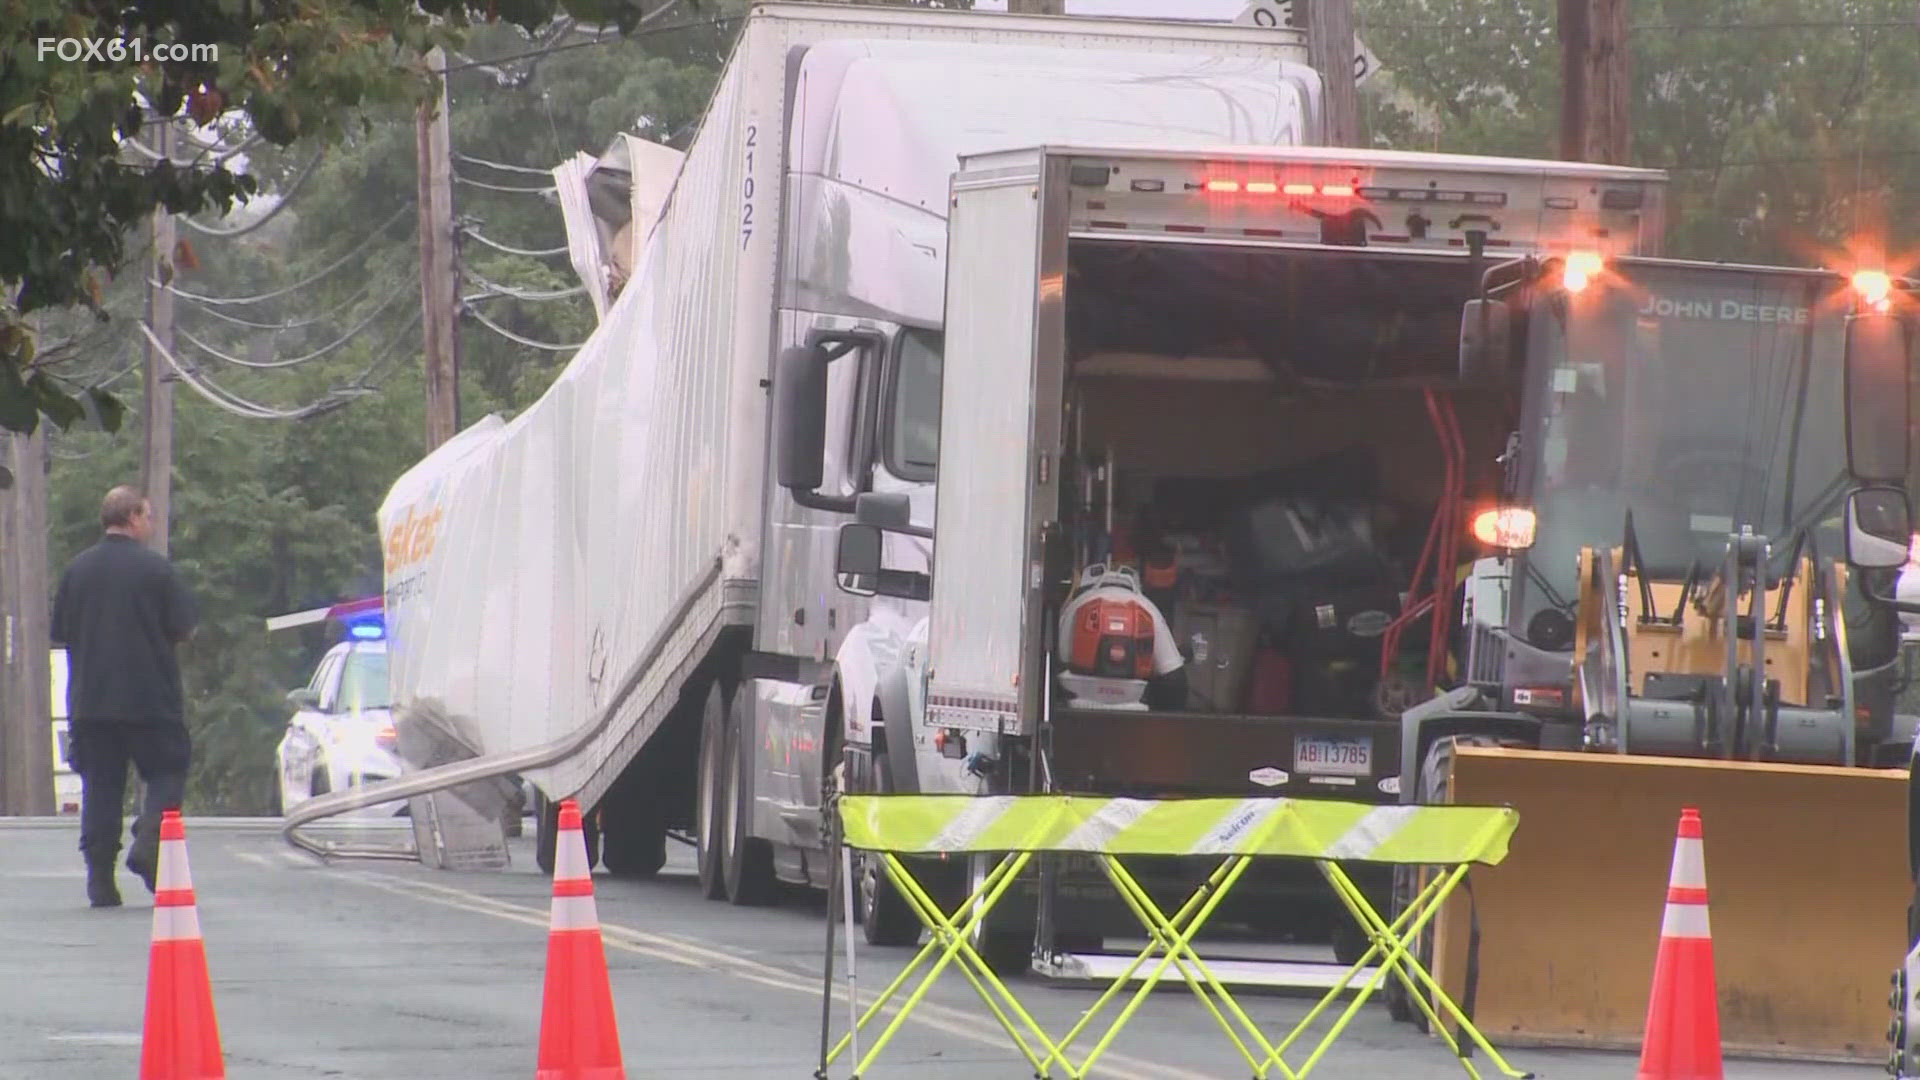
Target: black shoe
144, 860
101, 888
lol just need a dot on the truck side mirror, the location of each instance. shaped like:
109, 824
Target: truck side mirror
1878, 409
1485, 341
1879, 527
800, 408
857, 566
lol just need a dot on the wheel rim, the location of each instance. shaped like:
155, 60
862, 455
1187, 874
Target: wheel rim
704, 811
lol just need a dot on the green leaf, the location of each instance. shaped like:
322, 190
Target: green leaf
56, 404
108, 409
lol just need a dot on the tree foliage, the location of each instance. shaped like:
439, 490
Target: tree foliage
78, 87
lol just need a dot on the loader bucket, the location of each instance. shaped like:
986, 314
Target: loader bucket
1806, 880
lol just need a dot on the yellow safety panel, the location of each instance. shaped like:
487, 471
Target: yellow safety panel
1298, 828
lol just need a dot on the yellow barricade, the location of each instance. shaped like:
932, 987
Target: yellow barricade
1451, 838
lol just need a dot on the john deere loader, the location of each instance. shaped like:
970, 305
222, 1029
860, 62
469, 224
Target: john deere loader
1702, 517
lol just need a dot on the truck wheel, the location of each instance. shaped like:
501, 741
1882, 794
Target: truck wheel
885, 916
709, 851
635, 844
748, 858
546, 835
1003, 940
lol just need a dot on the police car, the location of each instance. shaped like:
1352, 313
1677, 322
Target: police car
341, 734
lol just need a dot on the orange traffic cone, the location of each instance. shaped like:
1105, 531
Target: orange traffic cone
182, 1037
1683, 1015
579, 1039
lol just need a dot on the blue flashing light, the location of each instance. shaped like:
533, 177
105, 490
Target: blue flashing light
370, 630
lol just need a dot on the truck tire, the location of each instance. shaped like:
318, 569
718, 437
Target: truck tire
709, 851
886, 919
1004, 939
634, 844
748, 859
546, 835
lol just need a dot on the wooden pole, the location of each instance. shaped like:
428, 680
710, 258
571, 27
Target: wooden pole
156, 473
1330, 51
1594, 96
439, 290
26, 713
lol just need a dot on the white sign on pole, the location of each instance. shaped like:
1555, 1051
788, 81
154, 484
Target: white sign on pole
1278, 13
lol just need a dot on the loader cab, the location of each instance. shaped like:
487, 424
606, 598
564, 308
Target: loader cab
1669, 406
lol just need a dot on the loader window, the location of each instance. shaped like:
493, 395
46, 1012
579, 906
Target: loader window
913, 419
1700, 400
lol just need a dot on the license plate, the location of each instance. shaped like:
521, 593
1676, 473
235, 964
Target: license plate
1343, 757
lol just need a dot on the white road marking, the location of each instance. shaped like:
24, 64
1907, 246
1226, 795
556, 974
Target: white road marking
97, 1038
928, 1014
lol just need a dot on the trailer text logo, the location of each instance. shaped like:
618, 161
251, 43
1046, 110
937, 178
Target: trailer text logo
1723, 311
411, 539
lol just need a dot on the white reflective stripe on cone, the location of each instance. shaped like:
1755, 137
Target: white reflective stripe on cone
1685, 921
176, 923
1689, 864
173, 866
575, 913
570, 856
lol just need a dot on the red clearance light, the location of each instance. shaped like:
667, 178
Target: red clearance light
1223, 185
1262, 187
1298, 189
1338, 191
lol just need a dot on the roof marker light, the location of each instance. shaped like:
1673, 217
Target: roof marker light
1223, 185
1875, 288
1580, 270
1261, 187
1338, 191
1298, 189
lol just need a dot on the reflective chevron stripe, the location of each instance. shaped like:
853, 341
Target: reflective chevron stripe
1304, 828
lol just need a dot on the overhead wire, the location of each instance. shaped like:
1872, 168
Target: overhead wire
506, 188
496, 289
484, 163
698, 24
509, 249
274, 365
366, 242
286, 196
518, 339
229, 401
294, 324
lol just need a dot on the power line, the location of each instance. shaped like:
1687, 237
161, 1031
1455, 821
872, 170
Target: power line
385, 354
699, 24
303, 283
484, 163
510, 250
231, 402
270, 365
496, 289
508, 189
516, 338
286, 197
293, 324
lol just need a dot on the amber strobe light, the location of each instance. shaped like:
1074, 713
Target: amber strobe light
1508, 527
1874, 287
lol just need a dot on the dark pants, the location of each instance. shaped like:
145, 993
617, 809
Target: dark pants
99, 752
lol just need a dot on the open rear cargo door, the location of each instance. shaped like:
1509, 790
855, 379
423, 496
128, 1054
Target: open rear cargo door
1806, 889
1000, 401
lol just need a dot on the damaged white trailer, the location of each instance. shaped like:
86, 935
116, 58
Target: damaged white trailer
581, 589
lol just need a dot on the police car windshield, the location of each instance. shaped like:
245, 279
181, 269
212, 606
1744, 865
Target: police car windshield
1703, 399
363, 684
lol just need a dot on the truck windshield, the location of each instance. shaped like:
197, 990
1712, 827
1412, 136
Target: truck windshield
1700, 399
913, 429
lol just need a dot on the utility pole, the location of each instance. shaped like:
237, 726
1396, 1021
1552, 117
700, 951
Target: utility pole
1330, 51
1594, 91
156, 473
26, 714
439, 289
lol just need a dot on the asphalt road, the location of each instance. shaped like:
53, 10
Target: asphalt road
389, 970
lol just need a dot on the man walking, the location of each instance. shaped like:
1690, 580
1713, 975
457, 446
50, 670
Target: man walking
120, 610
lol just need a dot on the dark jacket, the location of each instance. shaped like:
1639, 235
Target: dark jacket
120, 611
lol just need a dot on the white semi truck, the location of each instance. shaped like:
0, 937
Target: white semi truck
616, 566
